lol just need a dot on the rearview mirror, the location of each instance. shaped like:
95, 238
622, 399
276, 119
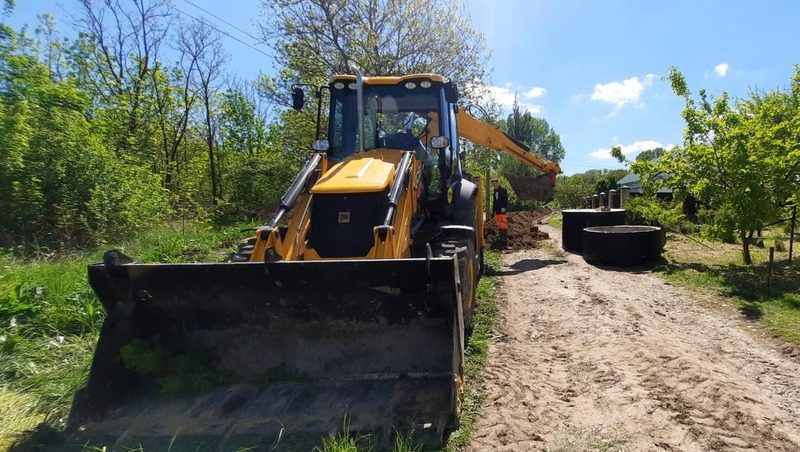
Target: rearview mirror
320, 145
451, 92
298, 98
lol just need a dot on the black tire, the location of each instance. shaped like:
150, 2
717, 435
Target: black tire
464, 250
244, 251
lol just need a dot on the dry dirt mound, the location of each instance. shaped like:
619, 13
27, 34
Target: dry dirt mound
523, 232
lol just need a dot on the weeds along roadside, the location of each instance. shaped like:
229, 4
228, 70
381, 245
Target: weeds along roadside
715, 268
50, 319
477, 354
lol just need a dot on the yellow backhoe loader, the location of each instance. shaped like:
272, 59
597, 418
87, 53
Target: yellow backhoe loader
350, 307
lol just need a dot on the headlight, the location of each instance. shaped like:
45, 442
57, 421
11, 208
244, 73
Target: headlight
425, 84
338, 85
410, 85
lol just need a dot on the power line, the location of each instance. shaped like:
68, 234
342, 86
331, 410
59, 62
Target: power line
222, 31
223, 21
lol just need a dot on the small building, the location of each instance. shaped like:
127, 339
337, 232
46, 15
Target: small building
633, 182
664, 193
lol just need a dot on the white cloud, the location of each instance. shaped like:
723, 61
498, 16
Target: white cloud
504, 97
721, 69
621, 93
536, 91
630, 149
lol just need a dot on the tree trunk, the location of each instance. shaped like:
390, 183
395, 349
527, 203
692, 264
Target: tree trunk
210, 143
745, 236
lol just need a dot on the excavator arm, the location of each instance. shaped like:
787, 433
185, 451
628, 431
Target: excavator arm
493, 137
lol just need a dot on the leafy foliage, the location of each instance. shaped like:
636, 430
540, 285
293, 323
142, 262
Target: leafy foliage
58, 183
102, 137
534, 132
652, 211
314, 39
572, 191
739, 157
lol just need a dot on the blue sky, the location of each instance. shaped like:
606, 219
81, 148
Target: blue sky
592, 69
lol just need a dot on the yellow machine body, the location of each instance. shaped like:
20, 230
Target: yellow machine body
353, 303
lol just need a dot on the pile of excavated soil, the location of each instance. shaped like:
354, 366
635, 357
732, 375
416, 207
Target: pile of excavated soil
523, 232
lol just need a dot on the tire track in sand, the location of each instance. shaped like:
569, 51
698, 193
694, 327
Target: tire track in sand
590, 358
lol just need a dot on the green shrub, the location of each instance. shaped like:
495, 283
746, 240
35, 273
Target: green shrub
720, 224
59, 184
651, 211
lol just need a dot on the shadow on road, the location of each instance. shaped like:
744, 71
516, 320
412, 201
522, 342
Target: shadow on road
525, 265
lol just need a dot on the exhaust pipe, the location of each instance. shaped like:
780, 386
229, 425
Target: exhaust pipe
360, 106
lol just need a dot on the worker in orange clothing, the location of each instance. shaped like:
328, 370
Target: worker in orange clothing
499, 206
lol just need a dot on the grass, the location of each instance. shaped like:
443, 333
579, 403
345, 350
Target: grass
599, 439
50, 319
717, 268
555, 220
345, 441
18, 412
477, 354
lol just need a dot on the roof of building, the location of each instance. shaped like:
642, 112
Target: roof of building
629, 178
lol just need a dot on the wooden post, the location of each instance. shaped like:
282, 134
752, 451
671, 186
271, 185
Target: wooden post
769, 271
791, 232
488, 195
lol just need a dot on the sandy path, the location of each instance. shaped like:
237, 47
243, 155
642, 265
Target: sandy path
593, 359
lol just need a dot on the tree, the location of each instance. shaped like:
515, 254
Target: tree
735, 158
650, 154
118, 58
204, 47
248, 145
58, 183
571, 192
313, 39
533, 132
317, 38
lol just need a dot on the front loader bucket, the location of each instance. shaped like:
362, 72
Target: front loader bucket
272, 356
538, 188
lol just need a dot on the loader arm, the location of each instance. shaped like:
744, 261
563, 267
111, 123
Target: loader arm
493, 137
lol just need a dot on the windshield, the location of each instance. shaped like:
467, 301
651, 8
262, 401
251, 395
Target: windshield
394, 117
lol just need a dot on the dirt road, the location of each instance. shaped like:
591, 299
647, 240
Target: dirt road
592, 359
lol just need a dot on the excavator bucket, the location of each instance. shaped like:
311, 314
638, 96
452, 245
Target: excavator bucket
272, 356
538, 188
